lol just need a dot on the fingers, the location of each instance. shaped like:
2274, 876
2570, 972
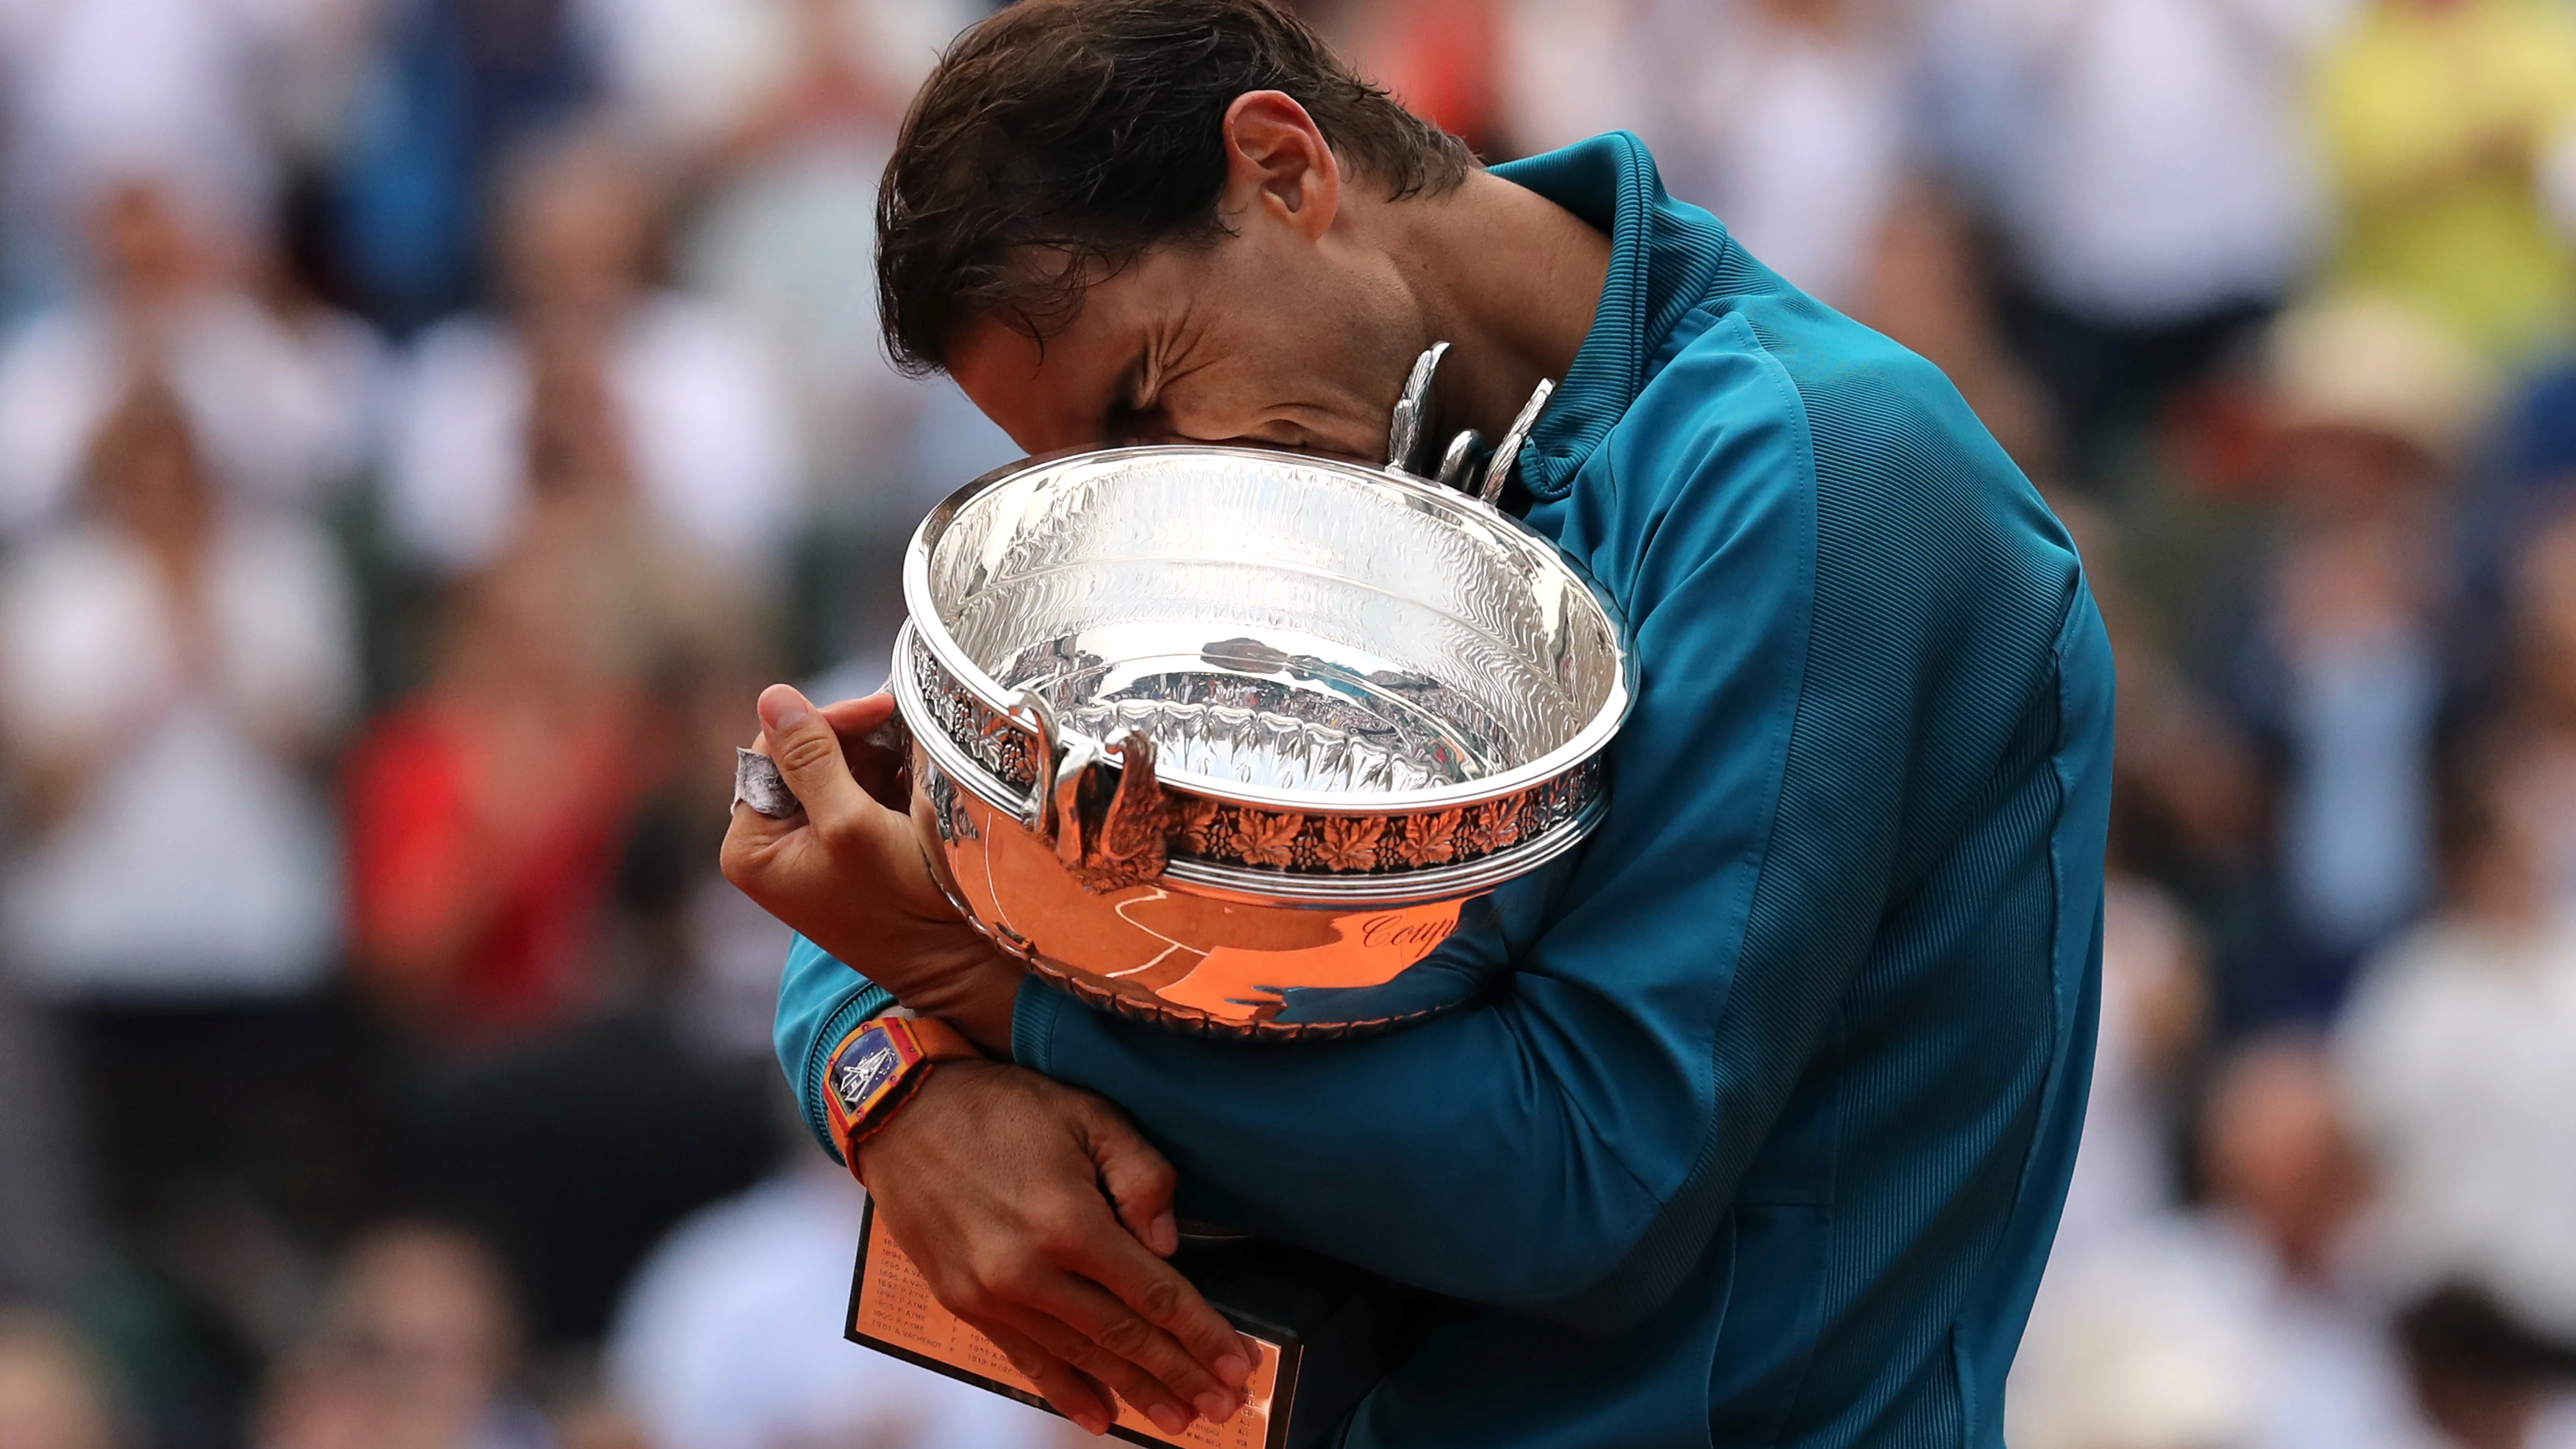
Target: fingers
1139, 1181
856, 809
857, 716
1041, 1289
1075, 1396
1118, 1344
873, 741
751, 836
801, 739
1142, 1183
1207, 1354
1149, 1395
840, 828
837, 761
1005, 1195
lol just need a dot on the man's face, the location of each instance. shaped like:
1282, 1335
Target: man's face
1268, 337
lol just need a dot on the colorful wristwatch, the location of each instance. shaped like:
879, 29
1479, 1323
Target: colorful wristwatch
876, 1068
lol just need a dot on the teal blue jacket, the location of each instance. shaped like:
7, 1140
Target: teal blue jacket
1763, 1137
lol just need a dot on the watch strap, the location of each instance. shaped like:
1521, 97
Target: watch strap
877, 1067
939, 1042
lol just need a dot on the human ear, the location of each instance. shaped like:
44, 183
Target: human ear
1277, 163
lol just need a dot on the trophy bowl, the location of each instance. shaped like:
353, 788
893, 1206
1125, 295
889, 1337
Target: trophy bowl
1229, 738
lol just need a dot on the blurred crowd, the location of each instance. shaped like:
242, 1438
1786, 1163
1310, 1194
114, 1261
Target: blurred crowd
424, 425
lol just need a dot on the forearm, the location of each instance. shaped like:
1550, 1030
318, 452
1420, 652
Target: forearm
1463, 1156
1503, 1194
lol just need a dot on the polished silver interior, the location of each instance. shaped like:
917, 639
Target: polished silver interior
1273, 621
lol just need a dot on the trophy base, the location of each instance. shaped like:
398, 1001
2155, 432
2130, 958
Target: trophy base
1324, 1332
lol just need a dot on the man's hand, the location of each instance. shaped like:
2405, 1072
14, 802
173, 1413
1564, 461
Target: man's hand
991, 1177
849, 873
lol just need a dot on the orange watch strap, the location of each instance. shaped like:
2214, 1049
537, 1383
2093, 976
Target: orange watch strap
941, 1042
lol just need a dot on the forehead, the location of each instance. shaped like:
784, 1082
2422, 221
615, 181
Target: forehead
1057, 392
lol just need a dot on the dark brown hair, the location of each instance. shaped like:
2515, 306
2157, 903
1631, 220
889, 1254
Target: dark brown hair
1093, 129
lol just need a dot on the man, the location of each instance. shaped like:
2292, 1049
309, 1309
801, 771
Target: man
1763, 1139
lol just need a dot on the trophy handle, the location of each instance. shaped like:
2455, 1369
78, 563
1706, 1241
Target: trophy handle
1508, 451
1465, 451
1412, 420
1407, 435
1032, 713
1101, 808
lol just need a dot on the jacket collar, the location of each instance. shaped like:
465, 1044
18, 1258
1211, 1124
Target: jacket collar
1664, 261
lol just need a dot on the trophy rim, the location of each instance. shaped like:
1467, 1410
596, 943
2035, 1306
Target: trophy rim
928, 631
1471, 875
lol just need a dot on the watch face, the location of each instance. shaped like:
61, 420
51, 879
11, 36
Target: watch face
863, 1070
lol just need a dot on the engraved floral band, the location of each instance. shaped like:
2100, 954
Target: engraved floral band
1227, 833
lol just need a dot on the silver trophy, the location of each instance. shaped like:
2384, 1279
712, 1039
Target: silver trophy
1228, 738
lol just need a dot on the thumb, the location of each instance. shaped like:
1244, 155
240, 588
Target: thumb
808, 751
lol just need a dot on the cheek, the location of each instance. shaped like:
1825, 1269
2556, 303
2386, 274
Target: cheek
1292, 372
1244, 402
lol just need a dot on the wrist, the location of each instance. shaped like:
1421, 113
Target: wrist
907, 960
874, 1071
973, 989
930, 1101
979, 1005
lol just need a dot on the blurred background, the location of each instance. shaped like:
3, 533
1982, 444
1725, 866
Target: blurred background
424, 425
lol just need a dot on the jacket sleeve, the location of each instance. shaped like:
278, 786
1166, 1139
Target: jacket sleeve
820, 1001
